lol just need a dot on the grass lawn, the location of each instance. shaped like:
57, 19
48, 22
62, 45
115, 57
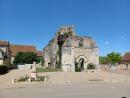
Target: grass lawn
41, 69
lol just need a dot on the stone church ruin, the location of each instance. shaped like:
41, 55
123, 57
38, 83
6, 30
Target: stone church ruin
68, 52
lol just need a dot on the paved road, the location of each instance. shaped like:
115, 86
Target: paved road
69, 91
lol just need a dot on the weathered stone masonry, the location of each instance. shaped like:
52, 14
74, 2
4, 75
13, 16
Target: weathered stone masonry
75, 49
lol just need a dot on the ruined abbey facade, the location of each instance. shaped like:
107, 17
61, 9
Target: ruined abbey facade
66, 50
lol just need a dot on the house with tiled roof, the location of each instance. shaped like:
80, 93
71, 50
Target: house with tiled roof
4, 52
20, 48
9, 51
4, 43
126, 60
39, 53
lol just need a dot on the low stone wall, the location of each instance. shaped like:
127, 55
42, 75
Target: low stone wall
84, 77
7, 78
27, 66
97, 76
123, 67
104, 67
119, 67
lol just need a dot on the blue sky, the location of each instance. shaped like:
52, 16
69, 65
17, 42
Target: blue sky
35, 22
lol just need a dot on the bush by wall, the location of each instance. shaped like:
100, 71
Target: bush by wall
3, 69
90, 66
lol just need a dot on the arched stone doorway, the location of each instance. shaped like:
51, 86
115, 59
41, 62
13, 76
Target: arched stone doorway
81, 62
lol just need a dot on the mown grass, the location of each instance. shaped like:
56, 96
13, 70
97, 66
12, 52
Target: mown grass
47, 69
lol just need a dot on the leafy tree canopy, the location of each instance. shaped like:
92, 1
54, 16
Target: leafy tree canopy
103, 60
25, 57
114, 57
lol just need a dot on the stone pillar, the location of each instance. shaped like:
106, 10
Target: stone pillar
72, 60
85, 65
13, 80
34, 73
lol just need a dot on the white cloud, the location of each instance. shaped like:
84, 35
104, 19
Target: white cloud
122, 37
107, 43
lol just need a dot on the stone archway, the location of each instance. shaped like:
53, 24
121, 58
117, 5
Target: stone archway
82, 62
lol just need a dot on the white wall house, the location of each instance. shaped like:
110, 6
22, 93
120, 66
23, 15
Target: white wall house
4, 52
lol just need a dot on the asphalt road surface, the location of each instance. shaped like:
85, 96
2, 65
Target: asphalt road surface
69, 91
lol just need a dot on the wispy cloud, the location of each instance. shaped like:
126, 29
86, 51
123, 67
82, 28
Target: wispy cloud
107, 43
122, 37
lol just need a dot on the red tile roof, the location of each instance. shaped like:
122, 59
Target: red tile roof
126, 56
4, 43
39, 53
21, 48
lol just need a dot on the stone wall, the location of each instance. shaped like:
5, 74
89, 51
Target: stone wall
6, 51
50, 53
123, 67
1, 61
68, 62
72, 55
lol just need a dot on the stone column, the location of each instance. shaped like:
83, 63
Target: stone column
34, 73
72, 60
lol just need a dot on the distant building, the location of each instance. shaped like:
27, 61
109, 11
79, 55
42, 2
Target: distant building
20, 48
125, 61
9, 51
126, 58
4, 52
75, 50
39, 53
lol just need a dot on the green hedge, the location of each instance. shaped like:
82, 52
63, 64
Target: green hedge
91, 66
77, 69
3, 69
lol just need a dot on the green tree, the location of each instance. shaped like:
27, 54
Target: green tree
60, 41
114, 58
25, 57
40, 60
103, 60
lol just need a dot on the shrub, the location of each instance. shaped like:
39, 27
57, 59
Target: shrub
40, 78
103, 60
25, 57
90, 66
47, 69
23, 79
77, 69
10, 67
3, 69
